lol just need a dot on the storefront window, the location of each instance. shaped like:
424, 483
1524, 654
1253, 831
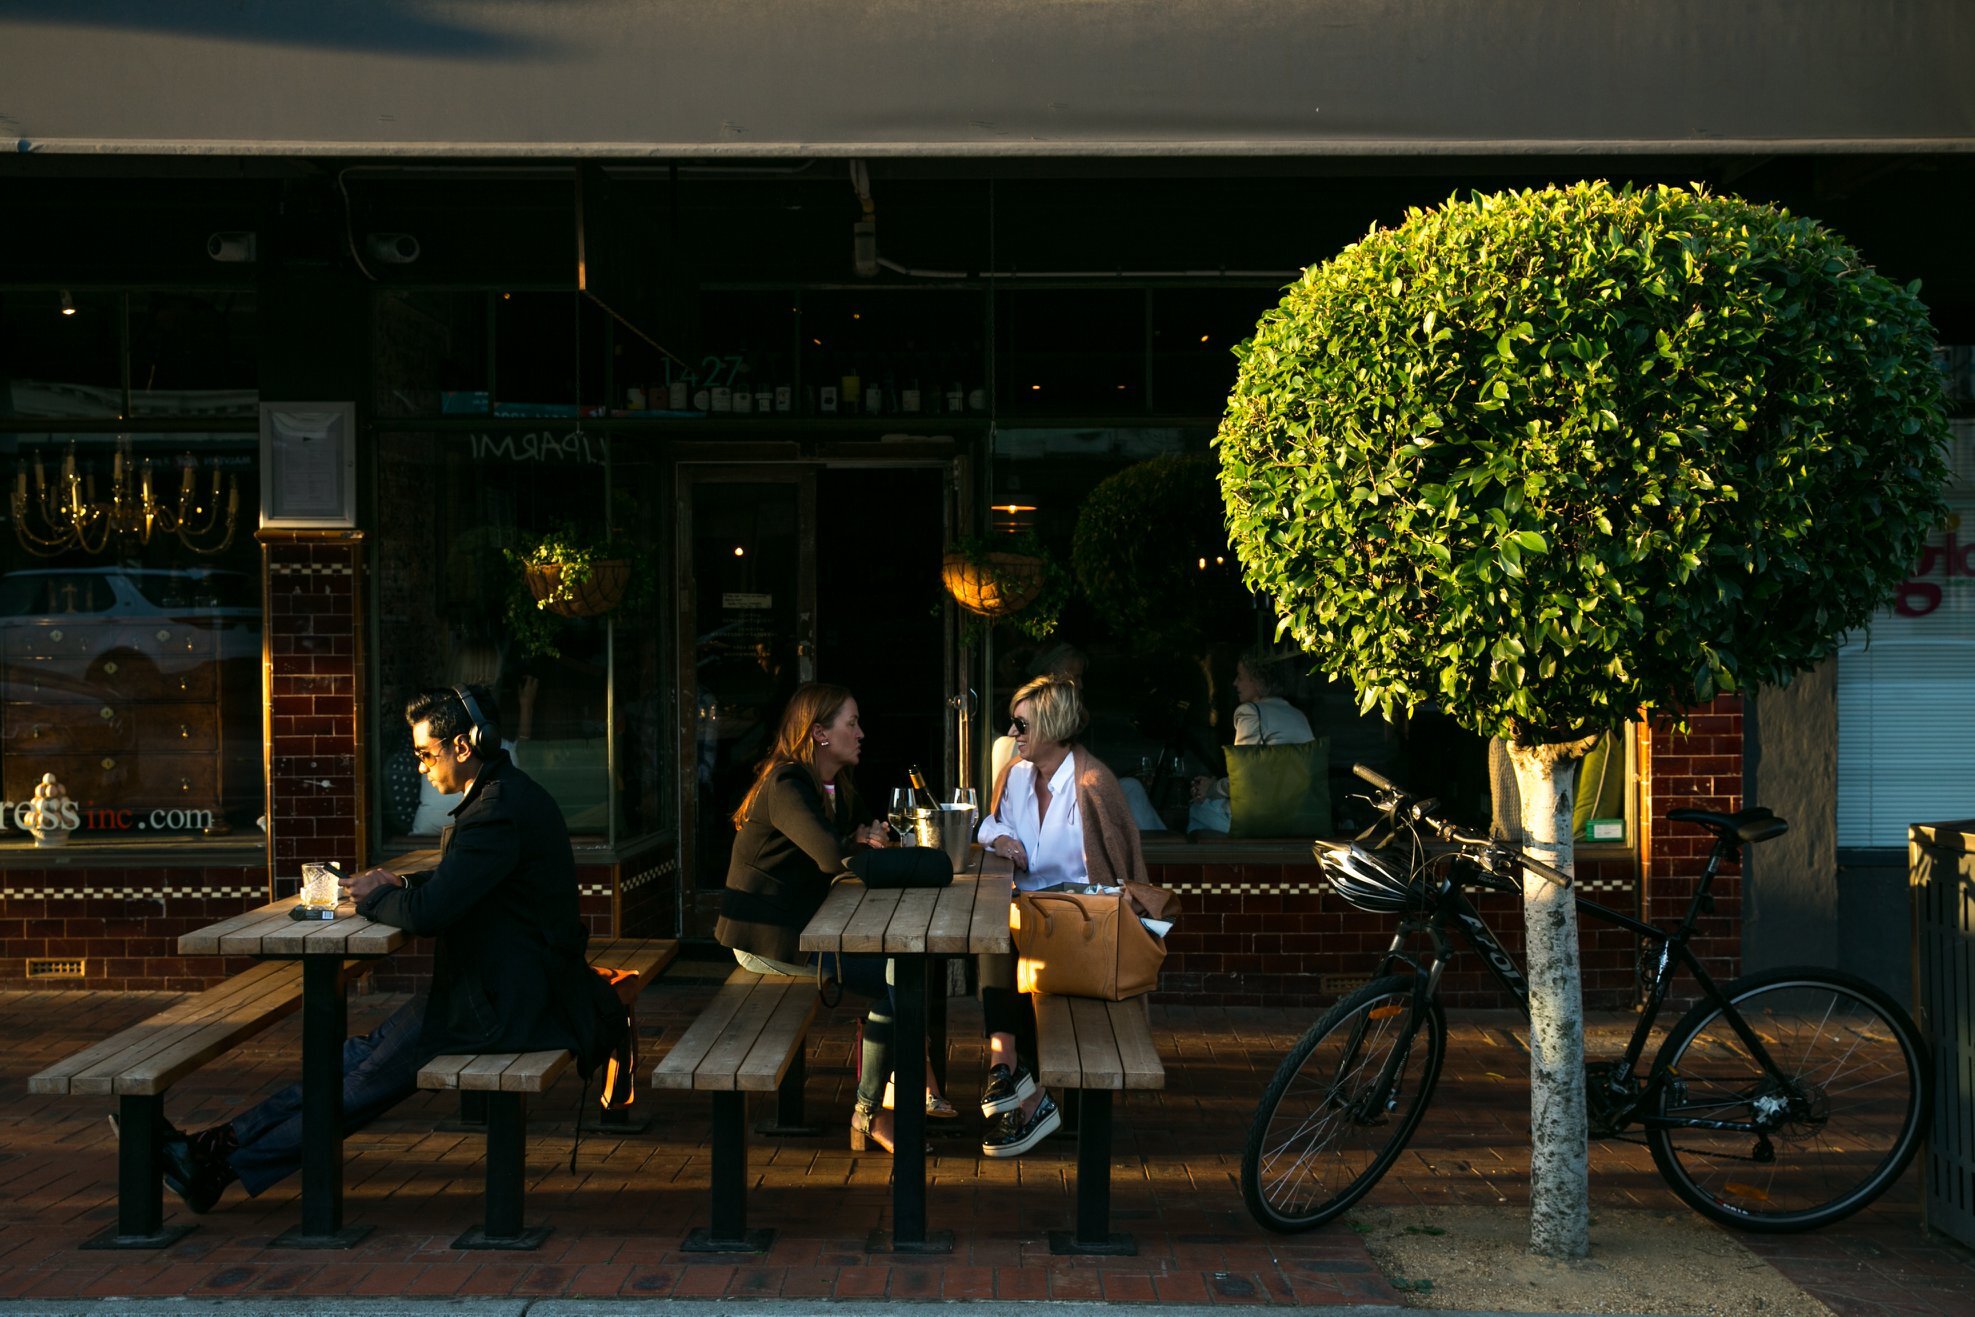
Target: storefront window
130, 633
432, 353
193, 353
578, 696
61, 354
1906, 690
1162, 706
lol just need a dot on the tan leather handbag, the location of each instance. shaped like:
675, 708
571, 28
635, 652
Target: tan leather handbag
1090, 944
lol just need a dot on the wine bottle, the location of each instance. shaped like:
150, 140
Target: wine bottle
922, 796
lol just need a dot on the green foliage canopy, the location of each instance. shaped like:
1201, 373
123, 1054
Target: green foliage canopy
1549, 457
1151, 555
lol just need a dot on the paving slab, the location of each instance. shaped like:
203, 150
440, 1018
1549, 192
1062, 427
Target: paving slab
619, 1221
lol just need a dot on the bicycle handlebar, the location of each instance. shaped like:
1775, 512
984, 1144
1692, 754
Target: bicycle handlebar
1374, 777
1447, 831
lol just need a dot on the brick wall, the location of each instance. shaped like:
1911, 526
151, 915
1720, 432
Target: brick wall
1272, 934
1700, 768
314, 627
124, 923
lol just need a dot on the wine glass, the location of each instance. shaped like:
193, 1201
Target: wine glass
966, 798
900, 814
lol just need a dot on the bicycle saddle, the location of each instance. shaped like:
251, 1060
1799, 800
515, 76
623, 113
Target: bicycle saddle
1757, 823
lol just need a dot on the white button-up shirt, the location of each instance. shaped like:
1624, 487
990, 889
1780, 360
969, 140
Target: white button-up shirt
1054, 843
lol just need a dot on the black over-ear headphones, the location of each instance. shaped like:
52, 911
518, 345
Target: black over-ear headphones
481, 733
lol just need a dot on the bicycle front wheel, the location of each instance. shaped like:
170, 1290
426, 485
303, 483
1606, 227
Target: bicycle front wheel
1825, 1127
1342, 1105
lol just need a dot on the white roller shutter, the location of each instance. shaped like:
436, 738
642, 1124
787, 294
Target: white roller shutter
1906, 699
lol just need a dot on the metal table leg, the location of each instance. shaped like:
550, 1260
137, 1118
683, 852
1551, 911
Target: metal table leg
909, 1234
325, 1027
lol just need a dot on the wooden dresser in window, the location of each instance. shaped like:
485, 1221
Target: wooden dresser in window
125, 713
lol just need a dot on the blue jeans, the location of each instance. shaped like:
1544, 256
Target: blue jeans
380, 1070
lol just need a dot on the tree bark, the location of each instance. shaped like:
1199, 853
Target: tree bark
1559, 1168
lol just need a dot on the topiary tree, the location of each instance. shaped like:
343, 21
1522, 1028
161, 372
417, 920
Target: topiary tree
1551, 458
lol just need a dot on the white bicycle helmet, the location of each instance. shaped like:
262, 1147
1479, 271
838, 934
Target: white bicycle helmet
1369, 880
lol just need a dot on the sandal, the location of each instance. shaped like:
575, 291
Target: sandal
937, 1107
864, 1131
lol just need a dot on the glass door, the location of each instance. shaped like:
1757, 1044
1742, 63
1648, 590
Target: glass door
799, 572
747, 604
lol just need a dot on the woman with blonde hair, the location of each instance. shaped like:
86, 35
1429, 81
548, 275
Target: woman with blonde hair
1059, 815
796, 824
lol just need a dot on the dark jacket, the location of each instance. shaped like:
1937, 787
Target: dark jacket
787, 854
508, 973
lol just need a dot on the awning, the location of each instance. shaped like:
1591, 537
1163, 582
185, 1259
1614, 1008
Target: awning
782, 78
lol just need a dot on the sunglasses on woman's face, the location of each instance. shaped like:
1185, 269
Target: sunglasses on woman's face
1021, 726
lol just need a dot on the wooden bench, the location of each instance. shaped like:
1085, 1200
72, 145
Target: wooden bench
749, 1039
138, 1066
494, 1087
1097, 1048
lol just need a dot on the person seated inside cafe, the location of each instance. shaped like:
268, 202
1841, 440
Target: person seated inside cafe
1263, 717
508, 966
1058, 815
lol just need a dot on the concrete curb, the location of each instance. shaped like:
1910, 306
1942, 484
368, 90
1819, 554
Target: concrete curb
326, 1307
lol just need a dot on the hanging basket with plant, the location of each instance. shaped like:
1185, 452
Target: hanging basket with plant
1004, 578
568, 575
578, 590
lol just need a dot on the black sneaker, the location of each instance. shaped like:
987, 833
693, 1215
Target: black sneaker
195, 1177
1004, 1091
1012, 1136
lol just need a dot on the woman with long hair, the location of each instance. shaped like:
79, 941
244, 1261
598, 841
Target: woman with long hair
798, 821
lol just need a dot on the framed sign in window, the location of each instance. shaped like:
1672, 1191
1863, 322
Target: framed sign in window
309, 464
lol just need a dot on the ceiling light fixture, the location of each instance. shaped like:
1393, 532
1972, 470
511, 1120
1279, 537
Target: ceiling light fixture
68, 303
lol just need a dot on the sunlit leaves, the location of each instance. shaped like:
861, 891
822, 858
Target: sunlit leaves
1545, 457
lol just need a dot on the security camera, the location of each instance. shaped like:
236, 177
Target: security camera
231, 245
391, 248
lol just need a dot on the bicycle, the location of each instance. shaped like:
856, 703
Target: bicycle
1784, 1101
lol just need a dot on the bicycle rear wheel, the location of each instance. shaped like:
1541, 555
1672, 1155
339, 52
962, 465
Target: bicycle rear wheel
1342, 1105
1836, 1120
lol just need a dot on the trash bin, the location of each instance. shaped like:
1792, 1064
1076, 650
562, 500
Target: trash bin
1941, 878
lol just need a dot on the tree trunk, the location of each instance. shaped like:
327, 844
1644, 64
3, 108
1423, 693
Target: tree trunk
1559, 1169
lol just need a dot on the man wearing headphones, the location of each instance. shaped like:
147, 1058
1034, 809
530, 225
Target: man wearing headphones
508, 971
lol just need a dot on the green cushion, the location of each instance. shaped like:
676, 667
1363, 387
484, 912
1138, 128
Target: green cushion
1279, 790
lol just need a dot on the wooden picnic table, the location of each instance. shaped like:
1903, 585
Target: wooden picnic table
915, 927
322, 946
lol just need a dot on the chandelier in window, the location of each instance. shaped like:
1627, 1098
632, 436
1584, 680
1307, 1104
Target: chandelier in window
68, 514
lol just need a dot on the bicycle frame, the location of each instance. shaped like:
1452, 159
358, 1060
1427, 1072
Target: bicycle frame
1453, 910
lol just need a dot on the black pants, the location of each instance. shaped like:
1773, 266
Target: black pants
1005, 1010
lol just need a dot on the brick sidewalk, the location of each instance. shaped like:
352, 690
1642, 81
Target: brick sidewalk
619, 1220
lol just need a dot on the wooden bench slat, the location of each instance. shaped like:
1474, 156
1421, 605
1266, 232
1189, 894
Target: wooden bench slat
533, 1072
282, 993
482, 1074
192, 1008
776, 1047
1131, 1026
1086, 1043
163, 1068
1097, 1046
675, 1070
716, 1072
442, 1071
